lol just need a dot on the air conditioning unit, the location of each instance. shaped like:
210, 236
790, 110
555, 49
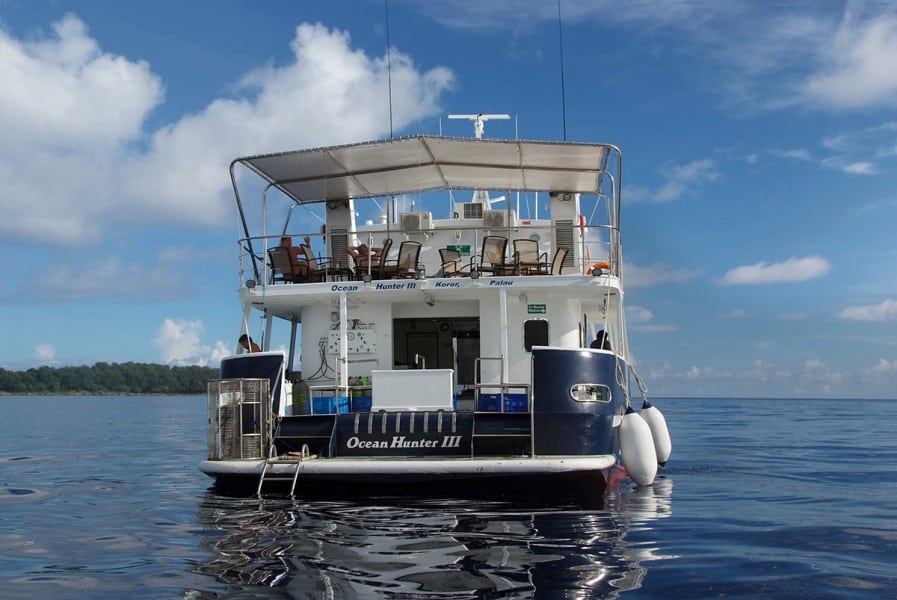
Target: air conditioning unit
496, 219
416, 221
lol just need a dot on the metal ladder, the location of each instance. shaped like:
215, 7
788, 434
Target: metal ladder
273, 459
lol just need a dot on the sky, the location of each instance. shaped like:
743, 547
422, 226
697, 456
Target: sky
759, 146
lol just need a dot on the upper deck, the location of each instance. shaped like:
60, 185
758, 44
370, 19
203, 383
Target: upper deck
445, 194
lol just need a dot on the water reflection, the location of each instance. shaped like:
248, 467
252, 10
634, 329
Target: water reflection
427, 547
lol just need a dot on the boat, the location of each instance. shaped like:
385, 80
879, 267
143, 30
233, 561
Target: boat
432, 311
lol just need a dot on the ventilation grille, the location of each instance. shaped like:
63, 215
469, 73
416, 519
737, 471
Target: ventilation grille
564, 238
472, 210
339, 242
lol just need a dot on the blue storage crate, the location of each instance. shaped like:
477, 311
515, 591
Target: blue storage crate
513, 403
361, 403
328, 405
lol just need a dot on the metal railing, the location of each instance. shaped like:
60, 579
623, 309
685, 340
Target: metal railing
596, 248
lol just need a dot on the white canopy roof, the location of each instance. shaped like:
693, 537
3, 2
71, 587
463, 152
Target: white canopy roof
420, 163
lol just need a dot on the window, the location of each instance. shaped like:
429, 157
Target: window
535, 333
590, 392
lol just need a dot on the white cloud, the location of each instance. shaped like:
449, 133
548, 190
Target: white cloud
886, 310
797, 154
814, 364
180, 343
638, 314
637, 276
819, 373
685, 177
735, 313
857, 67
328, 95
698, 373
678, 179
219, 351
87, 130
659, 371
66, 111
754, 55
795, 316
107, 276
883, 367
62, 92
860, 167
45, 352
791, 271
860, 151
640, 319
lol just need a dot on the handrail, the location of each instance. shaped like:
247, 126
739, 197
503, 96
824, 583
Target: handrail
502, 385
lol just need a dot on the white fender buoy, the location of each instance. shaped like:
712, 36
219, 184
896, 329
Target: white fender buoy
637, 448
658, 424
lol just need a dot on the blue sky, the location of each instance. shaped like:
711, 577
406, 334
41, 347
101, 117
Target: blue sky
759, 143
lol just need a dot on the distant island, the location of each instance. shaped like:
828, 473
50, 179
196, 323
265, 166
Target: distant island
104, 378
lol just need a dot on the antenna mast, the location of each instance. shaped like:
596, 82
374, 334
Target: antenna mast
563, 84
389, 66
479, 122
479, 126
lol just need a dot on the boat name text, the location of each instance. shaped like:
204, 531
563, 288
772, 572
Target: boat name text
401, 441
406, 285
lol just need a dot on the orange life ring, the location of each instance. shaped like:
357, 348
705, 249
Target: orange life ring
600, 266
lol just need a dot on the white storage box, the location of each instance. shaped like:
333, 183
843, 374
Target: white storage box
417, 389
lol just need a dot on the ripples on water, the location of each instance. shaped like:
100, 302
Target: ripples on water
100, 497
404, 547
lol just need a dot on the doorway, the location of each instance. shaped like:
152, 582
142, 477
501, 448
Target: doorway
449, 343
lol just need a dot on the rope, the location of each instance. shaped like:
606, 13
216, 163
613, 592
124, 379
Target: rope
641, 385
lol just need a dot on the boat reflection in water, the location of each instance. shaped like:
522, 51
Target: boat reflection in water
432, 546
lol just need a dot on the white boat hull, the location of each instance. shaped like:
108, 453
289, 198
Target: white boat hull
385, 470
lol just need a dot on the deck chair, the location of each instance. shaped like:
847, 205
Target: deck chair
376, 266
527, 260
557, 262
405, 265
492, 256
317, 270
282, 266
452, 266
361, 260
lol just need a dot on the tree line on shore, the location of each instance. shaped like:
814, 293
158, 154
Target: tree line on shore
106, 378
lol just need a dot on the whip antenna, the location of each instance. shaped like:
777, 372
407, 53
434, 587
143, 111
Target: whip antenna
389, 65
563, 86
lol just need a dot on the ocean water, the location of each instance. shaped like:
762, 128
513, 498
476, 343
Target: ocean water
100, 497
